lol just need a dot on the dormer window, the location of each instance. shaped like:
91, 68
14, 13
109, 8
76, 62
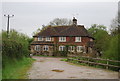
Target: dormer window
48, 38
77, 39
40, 38
62, 39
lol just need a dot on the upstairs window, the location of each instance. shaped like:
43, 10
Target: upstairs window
77, 39
40, 38
62, 39
48, 38
61, 48
45, 48
37, 48
79, 48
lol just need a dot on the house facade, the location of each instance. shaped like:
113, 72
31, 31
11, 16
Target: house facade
74, 39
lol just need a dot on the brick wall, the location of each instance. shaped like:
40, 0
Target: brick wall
71, 41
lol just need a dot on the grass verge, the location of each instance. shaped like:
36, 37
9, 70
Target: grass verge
17, 69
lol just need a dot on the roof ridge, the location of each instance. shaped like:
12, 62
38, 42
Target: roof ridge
61, 26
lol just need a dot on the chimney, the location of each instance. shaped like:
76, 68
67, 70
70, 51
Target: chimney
74, 21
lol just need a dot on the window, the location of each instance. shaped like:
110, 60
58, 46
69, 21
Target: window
62, 39
61, 48
37, 47
48, 38
40, 38
45, 48
71, 48
79, 48
77, 39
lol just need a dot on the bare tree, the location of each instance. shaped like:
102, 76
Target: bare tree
60, 22
115, 24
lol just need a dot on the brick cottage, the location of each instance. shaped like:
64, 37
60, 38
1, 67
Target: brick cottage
74, 39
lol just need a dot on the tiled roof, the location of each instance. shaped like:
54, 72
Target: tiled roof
72, 30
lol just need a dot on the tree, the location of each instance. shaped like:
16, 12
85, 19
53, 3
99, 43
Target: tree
113, 52
37, 31
54, 22
101, 37
114, 27
60, 22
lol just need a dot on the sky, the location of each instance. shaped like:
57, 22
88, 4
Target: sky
29, 16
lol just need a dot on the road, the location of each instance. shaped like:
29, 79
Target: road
53, 68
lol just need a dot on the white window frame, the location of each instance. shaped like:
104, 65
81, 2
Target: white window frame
48, 38
37, 47
61, 48
45, 48
79, 48
71, 48
62, 39
77, 39
40, 38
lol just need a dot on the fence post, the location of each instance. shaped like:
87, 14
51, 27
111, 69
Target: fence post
107, 63
88, 61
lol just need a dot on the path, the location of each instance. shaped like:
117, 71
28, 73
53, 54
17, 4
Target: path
44, 68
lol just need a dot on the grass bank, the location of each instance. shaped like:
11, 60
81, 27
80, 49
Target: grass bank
17, 69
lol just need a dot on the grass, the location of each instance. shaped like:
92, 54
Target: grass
17, 69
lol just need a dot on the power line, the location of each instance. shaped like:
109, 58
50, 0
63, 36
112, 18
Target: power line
8, 16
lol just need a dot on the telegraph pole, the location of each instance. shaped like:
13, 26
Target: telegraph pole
8, 16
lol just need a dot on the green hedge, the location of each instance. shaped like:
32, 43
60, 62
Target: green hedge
15, 47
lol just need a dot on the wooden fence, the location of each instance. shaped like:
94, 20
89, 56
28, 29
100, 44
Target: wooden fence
88, 61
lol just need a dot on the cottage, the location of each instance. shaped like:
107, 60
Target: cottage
74, 39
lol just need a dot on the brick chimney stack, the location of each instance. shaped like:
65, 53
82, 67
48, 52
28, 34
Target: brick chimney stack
74, 21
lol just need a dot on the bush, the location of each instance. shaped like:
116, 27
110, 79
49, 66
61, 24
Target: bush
15, 47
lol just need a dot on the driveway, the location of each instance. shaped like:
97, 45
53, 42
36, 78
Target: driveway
53, 68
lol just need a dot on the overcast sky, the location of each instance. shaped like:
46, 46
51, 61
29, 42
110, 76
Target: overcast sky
29, 16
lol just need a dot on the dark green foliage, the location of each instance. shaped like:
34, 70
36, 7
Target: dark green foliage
63, 53
14, 47
112, 52
106, 43
15, 53
60, 53
101, 37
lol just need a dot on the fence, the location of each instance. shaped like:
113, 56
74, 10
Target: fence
88, 61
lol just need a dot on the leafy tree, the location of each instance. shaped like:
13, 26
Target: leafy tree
114, 45
112, 51
101, 37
